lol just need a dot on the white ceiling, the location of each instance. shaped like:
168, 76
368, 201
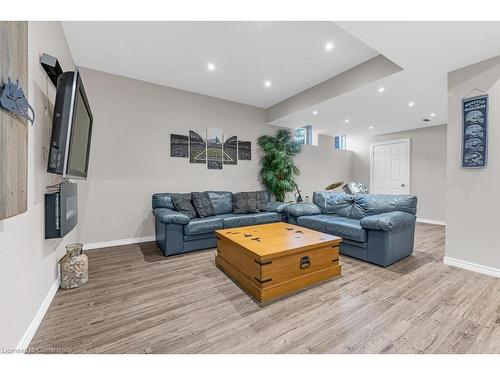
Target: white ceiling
290, 54
426, 51
293, 57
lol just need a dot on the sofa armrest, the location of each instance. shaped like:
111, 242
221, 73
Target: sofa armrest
303, 209
388, 221
278, 207
168, 216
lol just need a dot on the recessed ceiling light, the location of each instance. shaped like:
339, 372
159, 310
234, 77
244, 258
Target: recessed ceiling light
432, 114
370, 127
411, 104
315, 112
268, 83
381, 89
211, 67
346, 120
329, 46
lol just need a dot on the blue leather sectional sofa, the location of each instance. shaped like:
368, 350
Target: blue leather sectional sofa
378, 229
176, 233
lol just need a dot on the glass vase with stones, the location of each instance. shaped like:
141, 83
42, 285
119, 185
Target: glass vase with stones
74, 267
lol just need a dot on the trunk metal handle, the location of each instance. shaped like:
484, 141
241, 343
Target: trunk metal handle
305, 262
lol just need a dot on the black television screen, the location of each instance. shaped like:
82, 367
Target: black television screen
71, 129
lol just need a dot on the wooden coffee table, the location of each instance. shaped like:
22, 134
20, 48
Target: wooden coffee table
271, 260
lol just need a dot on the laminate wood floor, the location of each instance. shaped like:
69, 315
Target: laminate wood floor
138, 301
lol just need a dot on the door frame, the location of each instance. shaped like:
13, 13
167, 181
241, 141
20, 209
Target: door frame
408, 163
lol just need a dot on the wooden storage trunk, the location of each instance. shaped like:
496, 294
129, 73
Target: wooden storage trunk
271, 260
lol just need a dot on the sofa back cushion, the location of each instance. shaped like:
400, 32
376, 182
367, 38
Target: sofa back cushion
334, 203
363, 205
163, 200
222, 201
374, 204
202, 204
183, 204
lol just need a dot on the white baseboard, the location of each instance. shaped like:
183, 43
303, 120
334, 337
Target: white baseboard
431, 221
35, 323
125, 241
472, 266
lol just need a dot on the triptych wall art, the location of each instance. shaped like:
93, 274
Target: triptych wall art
215, 150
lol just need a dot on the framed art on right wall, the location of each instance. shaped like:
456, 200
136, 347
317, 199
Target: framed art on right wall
474, 132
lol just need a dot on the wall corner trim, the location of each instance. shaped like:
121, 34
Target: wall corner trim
125, 241
430, 221
35, 323
472, 266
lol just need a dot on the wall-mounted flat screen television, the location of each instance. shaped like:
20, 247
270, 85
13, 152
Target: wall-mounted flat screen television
71, 128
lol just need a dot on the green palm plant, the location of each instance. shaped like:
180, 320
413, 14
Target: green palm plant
277, 168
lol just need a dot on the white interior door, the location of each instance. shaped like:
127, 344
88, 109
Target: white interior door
390, 167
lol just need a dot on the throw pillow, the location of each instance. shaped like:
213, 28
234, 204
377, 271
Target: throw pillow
262, 199
245, 203
202, 204
182, 203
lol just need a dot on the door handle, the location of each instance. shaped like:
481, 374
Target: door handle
402, 185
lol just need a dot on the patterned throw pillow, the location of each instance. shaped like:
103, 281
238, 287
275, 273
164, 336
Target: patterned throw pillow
202, 204
182, 203
245, 203
262, 199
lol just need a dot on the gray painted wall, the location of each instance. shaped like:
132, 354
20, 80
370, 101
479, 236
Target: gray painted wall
28, 262
472, 203
130, 156
322, 165
428, 166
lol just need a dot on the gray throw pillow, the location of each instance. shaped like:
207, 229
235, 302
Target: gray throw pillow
182, 203
202, 204
262, 199
245, 203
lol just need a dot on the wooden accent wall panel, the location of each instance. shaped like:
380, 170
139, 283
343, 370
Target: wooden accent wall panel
13, 131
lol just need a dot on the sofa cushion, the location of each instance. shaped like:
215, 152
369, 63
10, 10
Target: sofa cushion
163, 200
267, 217
262, 199
274, 206
238, 220
203, 225
302, 209
334, 203
346, 228
315, 222
245, 202
389, 221
374, 204
202, 204
222, 201
183, 204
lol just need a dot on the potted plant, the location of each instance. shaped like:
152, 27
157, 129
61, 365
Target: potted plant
277, 168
